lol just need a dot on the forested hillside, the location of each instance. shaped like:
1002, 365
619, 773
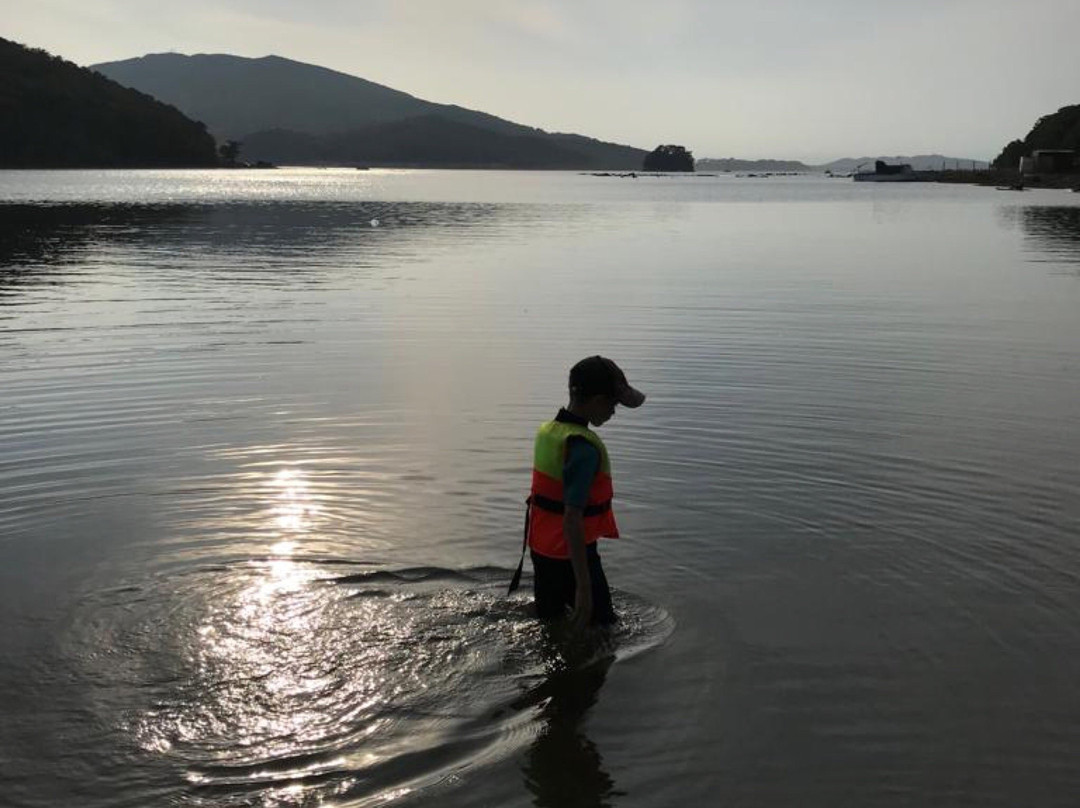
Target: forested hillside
54, 114
1059, 130
428, 140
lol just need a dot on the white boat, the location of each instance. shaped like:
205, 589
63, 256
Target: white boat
883, 172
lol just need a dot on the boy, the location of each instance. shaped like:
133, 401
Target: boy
570, 501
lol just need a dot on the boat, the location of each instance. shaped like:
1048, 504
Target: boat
883, 172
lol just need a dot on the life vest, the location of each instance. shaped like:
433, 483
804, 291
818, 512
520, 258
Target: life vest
546, 499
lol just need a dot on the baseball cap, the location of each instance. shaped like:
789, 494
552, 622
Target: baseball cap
598, 375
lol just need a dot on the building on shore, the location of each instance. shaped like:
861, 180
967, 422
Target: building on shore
1049, 161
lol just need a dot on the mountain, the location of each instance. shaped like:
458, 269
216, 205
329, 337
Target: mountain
54, 114
428, 140
919, 162
1059, 130
734, 164
289, 110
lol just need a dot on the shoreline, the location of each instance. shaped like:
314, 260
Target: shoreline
1002, 178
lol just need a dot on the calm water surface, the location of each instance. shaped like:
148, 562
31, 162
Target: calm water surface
265, 436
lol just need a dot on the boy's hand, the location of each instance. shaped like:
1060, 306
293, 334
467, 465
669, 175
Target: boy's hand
583, 605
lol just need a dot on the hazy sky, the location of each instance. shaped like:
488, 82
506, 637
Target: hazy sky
800, 79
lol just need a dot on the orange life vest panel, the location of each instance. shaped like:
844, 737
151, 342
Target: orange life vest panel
546, 499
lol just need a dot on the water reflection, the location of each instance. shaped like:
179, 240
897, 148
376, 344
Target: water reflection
1054, 232
49, 234
294, 508
201, 237
263, 688
563, 768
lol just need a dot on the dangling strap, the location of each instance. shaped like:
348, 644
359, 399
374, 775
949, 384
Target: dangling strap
516, 580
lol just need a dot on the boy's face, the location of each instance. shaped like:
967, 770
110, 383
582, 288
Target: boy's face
600, 409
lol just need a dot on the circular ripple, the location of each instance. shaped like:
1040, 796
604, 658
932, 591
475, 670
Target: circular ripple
286, 681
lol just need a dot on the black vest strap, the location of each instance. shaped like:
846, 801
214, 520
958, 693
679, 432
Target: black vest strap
515, 582
555, 506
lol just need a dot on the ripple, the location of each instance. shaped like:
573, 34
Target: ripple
309, 681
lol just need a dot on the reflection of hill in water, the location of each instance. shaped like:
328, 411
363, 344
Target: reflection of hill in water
48, 243
1053, 231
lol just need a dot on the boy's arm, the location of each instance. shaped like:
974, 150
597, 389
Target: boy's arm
582, 463
574, 533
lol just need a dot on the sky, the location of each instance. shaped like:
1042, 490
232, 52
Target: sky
811, 80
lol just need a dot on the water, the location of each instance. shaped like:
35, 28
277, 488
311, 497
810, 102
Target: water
266, 435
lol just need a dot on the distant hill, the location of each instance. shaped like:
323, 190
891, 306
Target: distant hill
427, 140
919, 162
845, 165
54, 114
286, 111
733, 164
1059, 130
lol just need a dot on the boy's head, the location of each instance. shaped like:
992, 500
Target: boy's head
596, 385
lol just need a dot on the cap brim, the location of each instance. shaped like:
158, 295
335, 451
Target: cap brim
630, 397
